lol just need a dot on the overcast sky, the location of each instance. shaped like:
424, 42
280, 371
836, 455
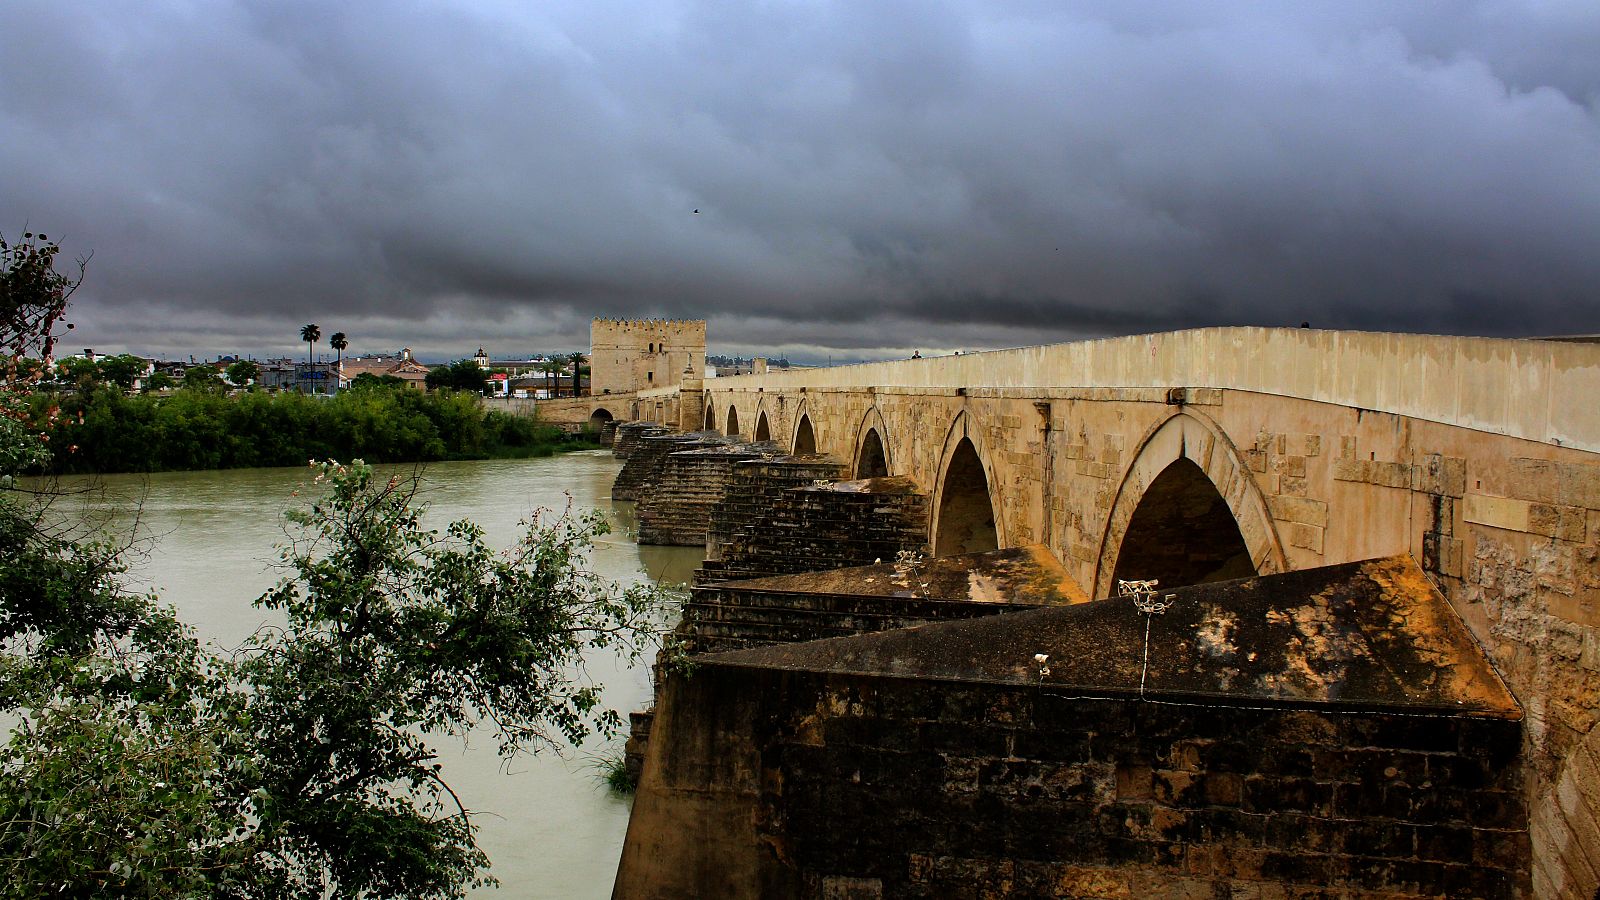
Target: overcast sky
870, 177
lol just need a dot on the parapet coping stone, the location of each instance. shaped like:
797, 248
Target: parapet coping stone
1374, 635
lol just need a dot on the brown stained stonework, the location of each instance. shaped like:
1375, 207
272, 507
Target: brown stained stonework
813, 605
829, 526
939, 761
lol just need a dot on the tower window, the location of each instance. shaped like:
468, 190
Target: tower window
649, 376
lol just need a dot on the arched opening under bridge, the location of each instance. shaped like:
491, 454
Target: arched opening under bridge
711, 419
871, 461
598, 419
733, 423
1182, 533
763, 433
965, 522
805, 439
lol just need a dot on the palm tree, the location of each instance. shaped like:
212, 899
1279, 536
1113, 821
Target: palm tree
577, 360
550, 367
338, 343
310, 334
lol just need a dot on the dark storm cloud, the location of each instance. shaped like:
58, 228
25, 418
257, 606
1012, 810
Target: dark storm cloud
870, 177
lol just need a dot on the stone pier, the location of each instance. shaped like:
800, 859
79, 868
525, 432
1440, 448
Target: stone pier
749, 494
689, 486
825, 525
647, 457
628, 435
1333, 732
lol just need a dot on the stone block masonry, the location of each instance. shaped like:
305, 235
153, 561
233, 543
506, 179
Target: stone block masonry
751, 491
629, 434
1025, 793
648, 456
677, 509
947, 761
814, 605
828, 526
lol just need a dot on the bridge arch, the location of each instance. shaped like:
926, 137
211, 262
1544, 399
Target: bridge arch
1187, 489
805, 437
871, 458
763, 430
711, 418
966, 509
731, 426
600, 417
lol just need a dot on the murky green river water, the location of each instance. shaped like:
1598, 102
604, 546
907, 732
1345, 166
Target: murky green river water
550, 827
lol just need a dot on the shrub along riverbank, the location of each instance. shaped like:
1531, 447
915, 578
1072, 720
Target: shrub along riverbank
105, 430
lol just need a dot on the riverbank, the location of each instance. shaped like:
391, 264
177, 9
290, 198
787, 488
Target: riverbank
104, 431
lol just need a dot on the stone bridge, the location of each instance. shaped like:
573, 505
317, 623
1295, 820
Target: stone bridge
603, 412
1226, 452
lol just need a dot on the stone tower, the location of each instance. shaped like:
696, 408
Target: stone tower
638, 354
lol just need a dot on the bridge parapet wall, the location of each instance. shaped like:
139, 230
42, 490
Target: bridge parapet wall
1540, 390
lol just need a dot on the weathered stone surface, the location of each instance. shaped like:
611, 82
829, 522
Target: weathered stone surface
647, 457
1450, 415
824, 526
628, 435
676, 508
1378, 759
749, 493
1375, 634
790, 608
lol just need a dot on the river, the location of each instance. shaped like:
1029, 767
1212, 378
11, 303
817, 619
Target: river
549, 826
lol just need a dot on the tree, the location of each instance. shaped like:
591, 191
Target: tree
461, 375
243, 372
147, 764
78, 371
551, 368
369, 381
310, 334
201, 378
122, 370
159, 381
338, 343
577, 360
33, 299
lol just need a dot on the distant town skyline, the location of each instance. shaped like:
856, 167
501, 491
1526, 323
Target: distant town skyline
853, 181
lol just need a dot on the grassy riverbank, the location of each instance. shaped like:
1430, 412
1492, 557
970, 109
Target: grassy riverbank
105, 430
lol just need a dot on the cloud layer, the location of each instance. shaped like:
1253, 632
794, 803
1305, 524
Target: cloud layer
869, 178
